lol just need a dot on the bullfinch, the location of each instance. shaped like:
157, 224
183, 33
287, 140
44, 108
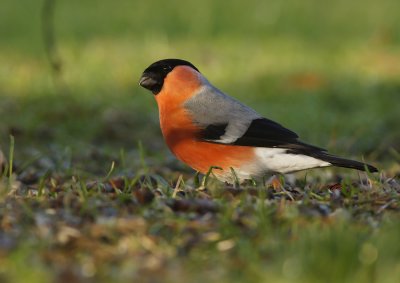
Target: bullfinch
205, 128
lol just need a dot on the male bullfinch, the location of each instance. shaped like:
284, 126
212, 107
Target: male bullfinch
204, 127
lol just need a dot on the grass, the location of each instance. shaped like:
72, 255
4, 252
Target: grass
142, 228
90, 193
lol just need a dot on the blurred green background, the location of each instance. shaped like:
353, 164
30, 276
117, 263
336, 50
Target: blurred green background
328, 70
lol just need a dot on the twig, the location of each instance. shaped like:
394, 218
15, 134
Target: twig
386, 205
50, 43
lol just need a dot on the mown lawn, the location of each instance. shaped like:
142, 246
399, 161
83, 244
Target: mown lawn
95, 196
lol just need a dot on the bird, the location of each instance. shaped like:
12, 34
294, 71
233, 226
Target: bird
210, 130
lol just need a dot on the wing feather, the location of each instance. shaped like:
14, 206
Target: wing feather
262, 132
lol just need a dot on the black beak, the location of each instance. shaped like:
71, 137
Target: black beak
147, 82
150, 82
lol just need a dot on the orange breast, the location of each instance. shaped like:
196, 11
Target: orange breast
180, 133
202, 155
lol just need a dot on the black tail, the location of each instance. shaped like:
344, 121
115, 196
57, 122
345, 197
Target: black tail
346, 163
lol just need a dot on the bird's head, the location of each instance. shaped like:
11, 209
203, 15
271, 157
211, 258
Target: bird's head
153, 76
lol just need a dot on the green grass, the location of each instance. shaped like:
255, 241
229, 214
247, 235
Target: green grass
93, 194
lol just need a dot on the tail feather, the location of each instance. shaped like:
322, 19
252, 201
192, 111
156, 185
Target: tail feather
346, 163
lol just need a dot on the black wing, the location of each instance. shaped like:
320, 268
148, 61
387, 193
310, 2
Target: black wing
262, 132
